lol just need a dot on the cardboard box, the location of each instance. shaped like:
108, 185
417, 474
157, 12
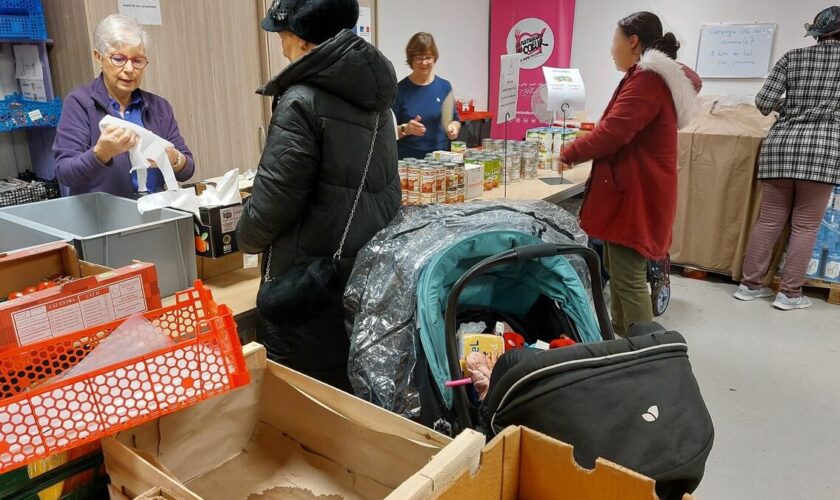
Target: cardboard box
215, 231
521, 463
98, 295
283, 436
208, 268
473, 181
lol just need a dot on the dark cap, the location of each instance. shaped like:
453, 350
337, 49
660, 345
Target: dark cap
826, 23
315, 21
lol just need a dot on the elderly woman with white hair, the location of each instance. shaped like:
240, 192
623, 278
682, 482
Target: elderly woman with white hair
88, 160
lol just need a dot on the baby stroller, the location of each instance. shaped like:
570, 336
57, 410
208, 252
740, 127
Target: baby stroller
608, 399
527, 265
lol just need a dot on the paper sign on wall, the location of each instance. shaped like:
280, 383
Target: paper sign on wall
364, 27
145, 11
508, 87
565, 86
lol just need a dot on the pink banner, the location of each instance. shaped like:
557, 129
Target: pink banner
540, 30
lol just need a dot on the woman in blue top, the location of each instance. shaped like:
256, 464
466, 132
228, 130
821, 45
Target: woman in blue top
420, 100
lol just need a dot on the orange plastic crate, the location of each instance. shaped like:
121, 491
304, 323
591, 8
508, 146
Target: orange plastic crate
39, 418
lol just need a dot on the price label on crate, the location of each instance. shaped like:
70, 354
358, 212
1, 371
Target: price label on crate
35, 115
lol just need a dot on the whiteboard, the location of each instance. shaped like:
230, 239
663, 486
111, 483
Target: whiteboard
735, 50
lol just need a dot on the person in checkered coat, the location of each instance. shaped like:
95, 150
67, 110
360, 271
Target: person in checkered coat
799, 163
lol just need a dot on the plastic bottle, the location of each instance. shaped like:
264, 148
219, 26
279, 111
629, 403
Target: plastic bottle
832, 266
814, 264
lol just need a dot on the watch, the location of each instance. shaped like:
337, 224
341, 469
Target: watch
403, 129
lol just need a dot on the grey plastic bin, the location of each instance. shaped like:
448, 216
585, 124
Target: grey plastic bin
15, 236
110, 231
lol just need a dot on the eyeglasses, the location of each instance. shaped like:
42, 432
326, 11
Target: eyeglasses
421, 59
120, 60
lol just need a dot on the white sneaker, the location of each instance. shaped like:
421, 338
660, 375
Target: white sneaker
785, 303
747, 294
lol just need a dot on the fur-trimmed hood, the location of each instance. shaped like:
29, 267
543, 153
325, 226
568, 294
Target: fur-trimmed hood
683, 88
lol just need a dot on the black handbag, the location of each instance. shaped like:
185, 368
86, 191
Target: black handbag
308, 287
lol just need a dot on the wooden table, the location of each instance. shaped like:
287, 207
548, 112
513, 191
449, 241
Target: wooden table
537, 189
237, 290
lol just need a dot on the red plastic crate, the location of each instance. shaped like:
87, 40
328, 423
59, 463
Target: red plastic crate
39, 418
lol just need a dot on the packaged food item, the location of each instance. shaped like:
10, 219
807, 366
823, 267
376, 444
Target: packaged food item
428, 198
473, 180
412, 183
413, 198
488, 145
440, 183
513, 167
458, 146
428, 181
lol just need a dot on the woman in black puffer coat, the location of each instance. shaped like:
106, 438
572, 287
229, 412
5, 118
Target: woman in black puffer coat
326, 105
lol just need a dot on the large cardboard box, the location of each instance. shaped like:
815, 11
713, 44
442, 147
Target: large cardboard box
523, 464
283, 436
719, 196
97, 295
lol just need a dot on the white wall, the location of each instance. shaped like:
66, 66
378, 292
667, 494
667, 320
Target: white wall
595, 22
461, 29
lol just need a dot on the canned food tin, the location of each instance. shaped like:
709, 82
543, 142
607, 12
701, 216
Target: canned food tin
412, 179
428, 180
451, 195
428, 198
440, 178
458, 147
413, 198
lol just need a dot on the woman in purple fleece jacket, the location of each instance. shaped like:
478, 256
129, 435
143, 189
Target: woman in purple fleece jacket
88, 161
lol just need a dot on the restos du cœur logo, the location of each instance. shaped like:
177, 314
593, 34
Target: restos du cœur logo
534, 39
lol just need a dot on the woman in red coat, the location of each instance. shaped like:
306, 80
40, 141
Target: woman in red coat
631, 196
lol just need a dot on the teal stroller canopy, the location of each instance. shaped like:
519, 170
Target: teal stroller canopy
513, 290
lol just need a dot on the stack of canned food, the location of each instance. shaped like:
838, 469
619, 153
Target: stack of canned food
429, 182
440, 177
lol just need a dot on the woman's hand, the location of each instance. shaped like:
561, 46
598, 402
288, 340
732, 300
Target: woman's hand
176, 159
415, 127
453, 130
113, 141
561, 164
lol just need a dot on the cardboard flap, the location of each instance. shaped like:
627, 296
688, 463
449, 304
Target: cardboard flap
544, 460
359, 411
521, 463
463, 454
359, 445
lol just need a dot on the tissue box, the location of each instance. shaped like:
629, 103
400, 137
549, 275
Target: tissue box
98, 295
473, 181
215, 231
